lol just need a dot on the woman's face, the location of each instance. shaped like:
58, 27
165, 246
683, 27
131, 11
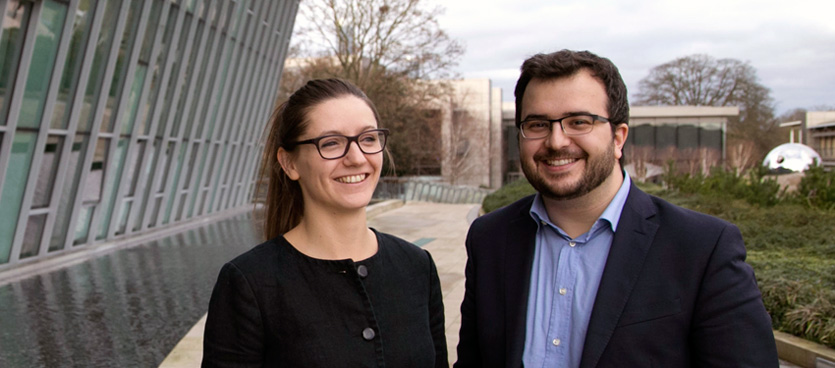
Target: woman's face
342, 184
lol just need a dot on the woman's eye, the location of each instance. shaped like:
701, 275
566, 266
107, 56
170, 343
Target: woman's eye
371, 138
329, 143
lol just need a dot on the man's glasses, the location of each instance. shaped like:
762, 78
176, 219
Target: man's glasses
574, 124
334, 146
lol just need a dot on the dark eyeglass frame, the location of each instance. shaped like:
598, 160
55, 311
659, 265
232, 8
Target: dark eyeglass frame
595, 118
355, 139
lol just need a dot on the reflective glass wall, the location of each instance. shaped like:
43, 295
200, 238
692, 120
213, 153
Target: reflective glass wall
120, 117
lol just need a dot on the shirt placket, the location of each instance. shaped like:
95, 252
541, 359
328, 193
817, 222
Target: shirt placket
563, 295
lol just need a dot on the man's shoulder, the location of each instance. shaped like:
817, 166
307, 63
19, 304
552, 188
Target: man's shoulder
667, 212
515, 210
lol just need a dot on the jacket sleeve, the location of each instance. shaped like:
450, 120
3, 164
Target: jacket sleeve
731, 327
234, 335
468, 351
436, 316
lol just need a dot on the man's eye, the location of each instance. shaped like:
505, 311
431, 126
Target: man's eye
578, 122
537, 125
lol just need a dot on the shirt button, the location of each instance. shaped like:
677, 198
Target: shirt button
556, 342
362, 271
563, 291
571, 244
368, 334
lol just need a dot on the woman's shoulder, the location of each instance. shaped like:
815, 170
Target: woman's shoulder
261, 257
401, 249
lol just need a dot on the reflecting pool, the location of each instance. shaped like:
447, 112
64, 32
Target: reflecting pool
127, 308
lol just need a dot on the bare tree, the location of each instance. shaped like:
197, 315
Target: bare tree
369, 37
741, 156
701, 80
390, 49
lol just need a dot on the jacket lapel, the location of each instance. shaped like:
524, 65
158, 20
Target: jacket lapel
518, 258
635, 233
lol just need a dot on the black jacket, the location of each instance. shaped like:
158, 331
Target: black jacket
274, 306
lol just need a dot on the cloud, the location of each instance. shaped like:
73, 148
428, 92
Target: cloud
791, 46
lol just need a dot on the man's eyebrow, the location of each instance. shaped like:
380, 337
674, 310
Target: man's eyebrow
546, 117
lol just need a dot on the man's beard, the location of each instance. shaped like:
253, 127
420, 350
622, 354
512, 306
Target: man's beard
596, 171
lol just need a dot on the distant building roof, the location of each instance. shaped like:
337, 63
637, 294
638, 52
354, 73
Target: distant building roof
681, 111
823, 125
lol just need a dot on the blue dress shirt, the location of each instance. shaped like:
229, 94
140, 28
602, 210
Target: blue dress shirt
564, 279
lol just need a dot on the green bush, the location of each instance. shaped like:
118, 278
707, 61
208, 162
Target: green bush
817, 189
507, 194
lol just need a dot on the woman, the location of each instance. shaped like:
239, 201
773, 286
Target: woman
325, 291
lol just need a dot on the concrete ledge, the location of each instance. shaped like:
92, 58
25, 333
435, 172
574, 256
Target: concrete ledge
378, 208
802, 352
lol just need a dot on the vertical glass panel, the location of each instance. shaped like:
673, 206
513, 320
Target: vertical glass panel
72, 65
212, 118
94, 184
32, 236
146, 197
187, 80
190, 167
132, 168
14, 185
120, 71
46, 176
688, 136
123, 217
94, 82
150, 103
218, 162
67, 198
157, 201
133, 99
180, 159
172, 101
112, 187
197, 185
150, 32
82, 227
50, 27
665, 136
15, 20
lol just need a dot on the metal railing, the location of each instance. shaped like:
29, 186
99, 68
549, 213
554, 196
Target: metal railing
427, 191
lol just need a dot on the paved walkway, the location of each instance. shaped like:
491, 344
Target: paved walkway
439, 228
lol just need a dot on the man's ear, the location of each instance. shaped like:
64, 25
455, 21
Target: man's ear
621, 132
285, 159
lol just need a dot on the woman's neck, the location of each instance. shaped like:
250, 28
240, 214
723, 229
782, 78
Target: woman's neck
329, 235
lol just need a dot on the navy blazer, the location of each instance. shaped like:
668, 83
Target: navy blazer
676, 292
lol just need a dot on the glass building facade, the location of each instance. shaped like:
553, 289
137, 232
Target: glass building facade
123, 117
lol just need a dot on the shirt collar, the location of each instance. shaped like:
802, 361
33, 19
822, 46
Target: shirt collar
610, 214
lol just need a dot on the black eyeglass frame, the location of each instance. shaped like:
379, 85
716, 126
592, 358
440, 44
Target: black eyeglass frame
595, 118
355, 139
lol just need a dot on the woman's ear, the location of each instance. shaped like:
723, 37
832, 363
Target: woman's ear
285, 159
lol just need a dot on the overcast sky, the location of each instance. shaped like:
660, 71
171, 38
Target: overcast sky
791, 44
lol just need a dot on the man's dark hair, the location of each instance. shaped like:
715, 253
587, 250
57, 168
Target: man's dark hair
565, 63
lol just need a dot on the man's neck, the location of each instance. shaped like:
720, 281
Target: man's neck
576, 216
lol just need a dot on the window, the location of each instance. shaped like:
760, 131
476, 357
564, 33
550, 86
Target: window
15, 20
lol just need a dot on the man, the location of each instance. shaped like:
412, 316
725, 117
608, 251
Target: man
591, 271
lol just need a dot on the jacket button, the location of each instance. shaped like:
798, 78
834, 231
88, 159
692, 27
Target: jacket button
362, 271
368, 333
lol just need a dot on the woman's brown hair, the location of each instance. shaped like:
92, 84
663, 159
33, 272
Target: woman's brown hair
284, 206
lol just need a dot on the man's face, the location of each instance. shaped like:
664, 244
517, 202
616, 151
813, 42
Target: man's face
568, 167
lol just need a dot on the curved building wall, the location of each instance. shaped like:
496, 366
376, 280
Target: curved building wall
121, 117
